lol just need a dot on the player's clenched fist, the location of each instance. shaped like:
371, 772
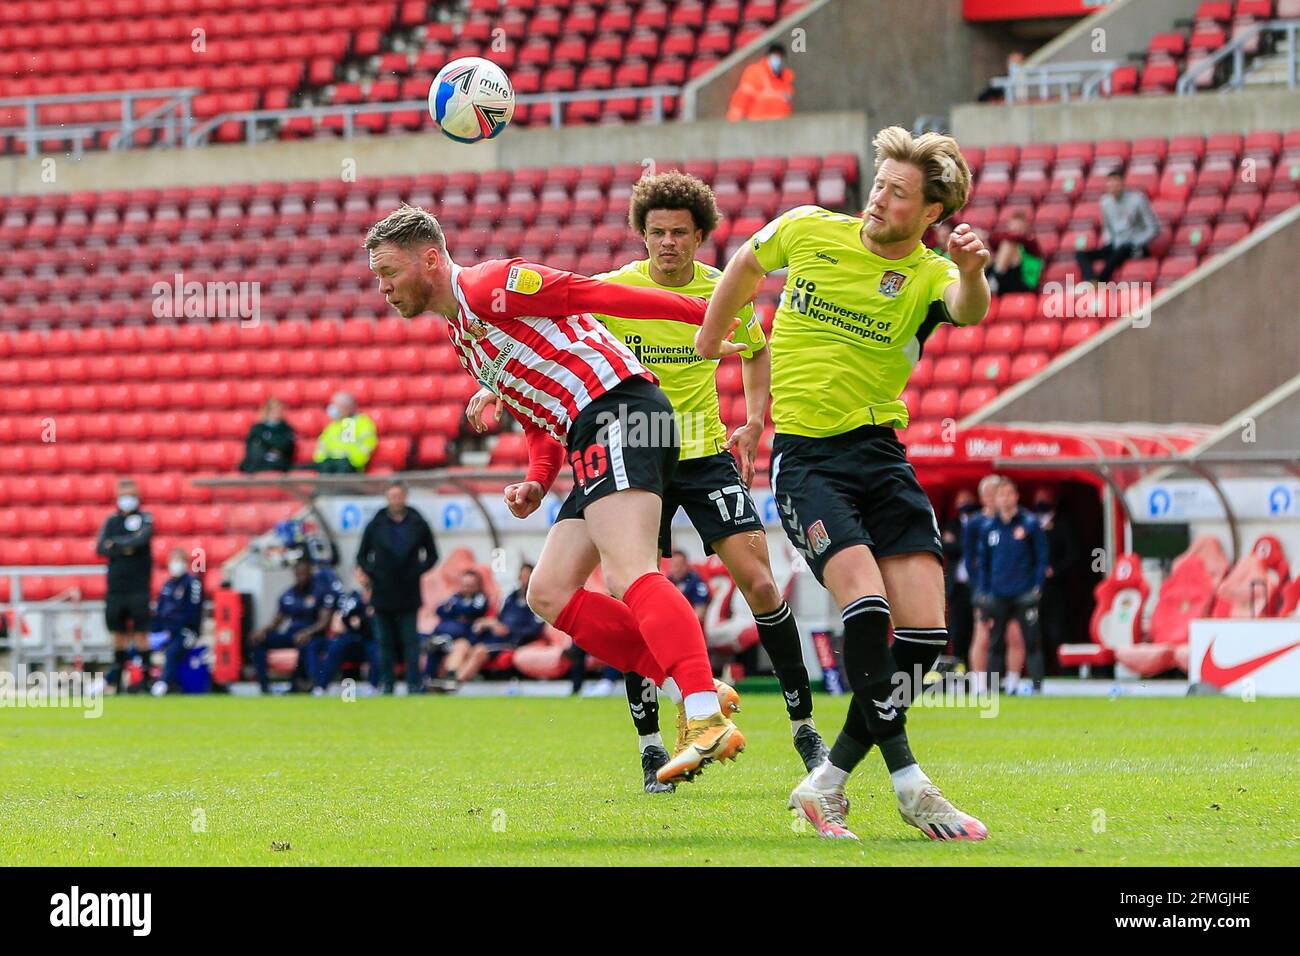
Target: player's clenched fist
966, 250
482, 405
523, 498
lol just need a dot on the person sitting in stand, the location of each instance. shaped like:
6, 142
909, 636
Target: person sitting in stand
303, 615
348, 441
512, 627
453, 635
179, 616
354, 614
1017, 258
271, 441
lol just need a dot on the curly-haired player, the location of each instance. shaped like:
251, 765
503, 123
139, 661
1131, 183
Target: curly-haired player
674, 214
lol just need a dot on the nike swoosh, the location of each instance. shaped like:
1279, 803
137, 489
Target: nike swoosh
587, 490
1213, 673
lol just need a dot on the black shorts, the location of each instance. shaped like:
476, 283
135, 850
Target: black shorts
854, 488
716, 501
126, 612
625, 439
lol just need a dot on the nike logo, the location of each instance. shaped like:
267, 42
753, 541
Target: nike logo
1213, 673
587, 490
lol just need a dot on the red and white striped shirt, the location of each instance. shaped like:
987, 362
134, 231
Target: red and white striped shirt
523, 331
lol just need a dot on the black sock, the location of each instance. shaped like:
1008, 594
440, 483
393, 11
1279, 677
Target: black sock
117, 677
869, 665
896, 751
643, 701
854, 741
779, 634
577, 666
915, 651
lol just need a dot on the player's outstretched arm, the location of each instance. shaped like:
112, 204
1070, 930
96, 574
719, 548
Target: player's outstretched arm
735, 290
632, 302
968, 298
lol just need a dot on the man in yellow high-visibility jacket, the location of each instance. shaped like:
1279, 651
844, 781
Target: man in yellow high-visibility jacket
348, 440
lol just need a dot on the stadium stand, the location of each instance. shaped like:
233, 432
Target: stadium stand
242, 57
1259, 25
238, 54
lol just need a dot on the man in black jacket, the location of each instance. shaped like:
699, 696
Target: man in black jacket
125, 541
397, 547
270, 442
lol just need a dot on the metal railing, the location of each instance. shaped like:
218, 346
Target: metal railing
45, 643
174, 116
250, 119
1236, 51
1057, 80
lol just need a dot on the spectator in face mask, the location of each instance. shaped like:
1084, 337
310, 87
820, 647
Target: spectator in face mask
125, 541
178, 616
348, 441
766, 89
270, 442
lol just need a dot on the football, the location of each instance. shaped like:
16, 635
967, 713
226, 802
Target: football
471, 99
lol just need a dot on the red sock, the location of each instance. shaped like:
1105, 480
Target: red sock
602, 626
672, 631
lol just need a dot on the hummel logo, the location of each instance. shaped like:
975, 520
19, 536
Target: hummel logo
829, 258
792, 698
885, 709
587, 489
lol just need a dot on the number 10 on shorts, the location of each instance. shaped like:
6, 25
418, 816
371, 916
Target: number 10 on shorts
719, 498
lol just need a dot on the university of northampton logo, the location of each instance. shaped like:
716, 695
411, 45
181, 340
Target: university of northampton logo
891, 283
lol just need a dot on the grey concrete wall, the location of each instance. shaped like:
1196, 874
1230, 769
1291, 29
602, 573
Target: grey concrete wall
1212, 347
895, 60
1128, 26
428, 152
1275, 421
1127, 117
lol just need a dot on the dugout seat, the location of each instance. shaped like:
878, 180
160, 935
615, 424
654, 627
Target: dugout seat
1187, 593
1117, 618
1253, 588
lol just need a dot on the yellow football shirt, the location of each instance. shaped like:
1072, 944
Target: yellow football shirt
850, 325
667, 348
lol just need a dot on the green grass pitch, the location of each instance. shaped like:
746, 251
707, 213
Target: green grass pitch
222, 780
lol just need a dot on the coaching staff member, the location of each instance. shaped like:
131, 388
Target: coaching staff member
125, 541
397, 547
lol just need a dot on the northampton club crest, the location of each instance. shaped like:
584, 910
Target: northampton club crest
891, 283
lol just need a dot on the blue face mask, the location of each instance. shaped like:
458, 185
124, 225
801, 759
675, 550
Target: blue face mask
775, 62
128, 502
333, 412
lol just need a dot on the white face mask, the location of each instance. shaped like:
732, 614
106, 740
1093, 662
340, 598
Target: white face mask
128, 502
176, 568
